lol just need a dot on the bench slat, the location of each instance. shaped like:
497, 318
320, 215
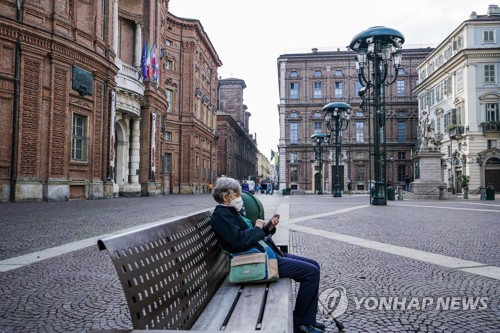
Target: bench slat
279, 307
215, 312
247, 310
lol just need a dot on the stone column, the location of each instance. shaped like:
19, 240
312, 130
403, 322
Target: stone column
137, 44
116, 40
134, 152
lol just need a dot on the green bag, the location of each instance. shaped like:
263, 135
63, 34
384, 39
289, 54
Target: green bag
254, 266
248, 268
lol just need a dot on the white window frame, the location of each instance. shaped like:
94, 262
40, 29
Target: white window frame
339, 87
294, 133
460, 80
400, 88
169, 136
294, 90
169, 65
79, 140
360, 131
317, 89
489, 73
318, 127
169, 96
492, 112
488, 36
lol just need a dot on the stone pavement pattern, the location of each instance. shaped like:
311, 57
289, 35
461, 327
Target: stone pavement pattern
79, 291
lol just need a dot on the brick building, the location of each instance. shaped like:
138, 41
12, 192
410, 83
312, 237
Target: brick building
57, 73
237, 153
79, 119
188, 136
309, 81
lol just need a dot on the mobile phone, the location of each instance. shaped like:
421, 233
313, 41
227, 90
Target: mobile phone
268, 223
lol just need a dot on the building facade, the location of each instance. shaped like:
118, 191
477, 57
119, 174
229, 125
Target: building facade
188, 136
459, 94
57, 74
237, 150
309, 81
264, 170
137, 102
100, 99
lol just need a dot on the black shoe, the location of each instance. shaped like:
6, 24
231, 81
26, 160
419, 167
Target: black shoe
306, 329
319, 324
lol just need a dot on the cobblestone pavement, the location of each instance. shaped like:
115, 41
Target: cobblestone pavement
79, 291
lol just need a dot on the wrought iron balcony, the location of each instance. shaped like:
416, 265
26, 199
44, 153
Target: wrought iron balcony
490, 127
455, 131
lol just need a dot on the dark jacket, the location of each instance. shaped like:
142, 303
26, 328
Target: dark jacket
233, 233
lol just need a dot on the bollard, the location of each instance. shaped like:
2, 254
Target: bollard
482, 191
490, 192
390, 193
253, 206
400, 192
441, 192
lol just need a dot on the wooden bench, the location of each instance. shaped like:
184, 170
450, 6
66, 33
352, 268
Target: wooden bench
174, 276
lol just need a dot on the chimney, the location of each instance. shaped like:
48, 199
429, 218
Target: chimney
314, 50
493, 10
473, 16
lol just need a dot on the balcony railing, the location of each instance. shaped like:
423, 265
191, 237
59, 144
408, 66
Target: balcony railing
490, 127
455, 131
129, 78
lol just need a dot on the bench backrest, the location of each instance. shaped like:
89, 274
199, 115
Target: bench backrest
168, 271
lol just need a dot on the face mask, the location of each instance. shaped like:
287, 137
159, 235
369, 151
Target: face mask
237, 203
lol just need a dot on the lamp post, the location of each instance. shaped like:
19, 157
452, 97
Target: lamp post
378, 46
318, 140
393, 176
337, 117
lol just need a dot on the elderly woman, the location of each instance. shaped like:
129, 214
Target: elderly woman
235, 236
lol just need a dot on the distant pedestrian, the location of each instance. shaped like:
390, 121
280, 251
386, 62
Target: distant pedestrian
407, 183
210, 186
244, 186
389, 182
349, 188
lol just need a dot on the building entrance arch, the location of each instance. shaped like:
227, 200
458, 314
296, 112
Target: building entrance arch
492, 173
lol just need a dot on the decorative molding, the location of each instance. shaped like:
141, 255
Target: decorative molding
138, 18
81, 103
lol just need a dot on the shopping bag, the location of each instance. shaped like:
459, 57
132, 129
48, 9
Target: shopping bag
254, 266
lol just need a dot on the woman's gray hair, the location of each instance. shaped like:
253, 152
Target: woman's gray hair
225, 185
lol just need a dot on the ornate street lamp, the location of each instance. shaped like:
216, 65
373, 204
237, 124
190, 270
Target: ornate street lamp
318, 140
337, 117
377, 46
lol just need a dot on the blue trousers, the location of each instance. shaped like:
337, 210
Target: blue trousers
307, 272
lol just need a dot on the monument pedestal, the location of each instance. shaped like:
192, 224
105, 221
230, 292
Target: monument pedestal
427, 174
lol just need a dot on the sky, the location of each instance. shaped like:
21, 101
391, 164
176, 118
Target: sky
249, 36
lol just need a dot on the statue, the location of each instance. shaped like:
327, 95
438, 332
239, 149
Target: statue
428, 132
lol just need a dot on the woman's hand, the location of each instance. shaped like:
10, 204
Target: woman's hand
260, 223
274, 222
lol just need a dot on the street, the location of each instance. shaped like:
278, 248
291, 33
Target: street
410, 266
